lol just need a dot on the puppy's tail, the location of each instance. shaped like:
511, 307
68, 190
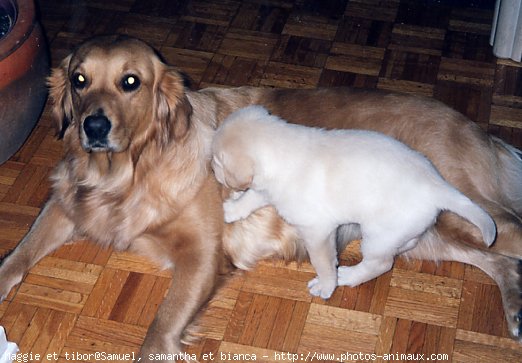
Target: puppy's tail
463, 206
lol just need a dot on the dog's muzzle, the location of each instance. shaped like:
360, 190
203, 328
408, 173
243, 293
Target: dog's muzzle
96, 128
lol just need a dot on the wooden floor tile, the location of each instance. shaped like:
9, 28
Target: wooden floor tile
83, 299
233, 70
301, 51
306, 26
92, 336
424, 298
366, 10
210, 12
262, 16
248, 44
355, 58
336, 330
474, 347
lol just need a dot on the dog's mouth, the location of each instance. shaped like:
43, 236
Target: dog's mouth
97, 147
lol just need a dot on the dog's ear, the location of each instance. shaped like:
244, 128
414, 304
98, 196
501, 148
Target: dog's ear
60, 93
173, 109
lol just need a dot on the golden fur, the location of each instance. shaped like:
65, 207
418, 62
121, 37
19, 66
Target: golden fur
148, 191
149, 187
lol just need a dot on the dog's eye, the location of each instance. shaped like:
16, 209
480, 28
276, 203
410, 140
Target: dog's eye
130, 83
79, 81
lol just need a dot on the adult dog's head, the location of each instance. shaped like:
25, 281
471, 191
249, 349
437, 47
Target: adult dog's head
116, 94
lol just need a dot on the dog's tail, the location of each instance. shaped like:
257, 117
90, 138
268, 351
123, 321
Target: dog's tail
458, 203
509, 173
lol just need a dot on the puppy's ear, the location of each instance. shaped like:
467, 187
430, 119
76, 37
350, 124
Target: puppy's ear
240, 175
173, 109
60, 93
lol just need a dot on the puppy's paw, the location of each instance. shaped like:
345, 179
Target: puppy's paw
233, 211
323, 289
236, 194
347, 276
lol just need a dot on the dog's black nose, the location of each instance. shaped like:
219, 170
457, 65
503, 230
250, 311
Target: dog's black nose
97, 128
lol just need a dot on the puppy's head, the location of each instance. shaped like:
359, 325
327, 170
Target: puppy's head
115, 92
233, 166
235, 146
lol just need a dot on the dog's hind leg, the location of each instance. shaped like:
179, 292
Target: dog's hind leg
51, 229
505, 270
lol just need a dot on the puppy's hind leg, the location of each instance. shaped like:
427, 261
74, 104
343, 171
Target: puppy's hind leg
321, 248
378, 257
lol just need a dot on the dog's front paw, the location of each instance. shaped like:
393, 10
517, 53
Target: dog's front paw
148, 354
8, 280
233, 211
321, 287
159, 348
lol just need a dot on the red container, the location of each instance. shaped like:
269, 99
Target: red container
24, 65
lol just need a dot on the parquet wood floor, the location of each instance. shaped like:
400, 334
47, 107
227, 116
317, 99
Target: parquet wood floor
83, 299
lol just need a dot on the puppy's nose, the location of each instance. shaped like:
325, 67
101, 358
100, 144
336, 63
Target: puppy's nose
97, 127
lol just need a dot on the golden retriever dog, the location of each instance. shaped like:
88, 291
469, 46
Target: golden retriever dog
319, 180
136, 175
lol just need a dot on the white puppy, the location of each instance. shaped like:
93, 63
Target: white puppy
319, 180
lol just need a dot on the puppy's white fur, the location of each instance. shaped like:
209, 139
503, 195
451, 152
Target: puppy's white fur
319, 180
